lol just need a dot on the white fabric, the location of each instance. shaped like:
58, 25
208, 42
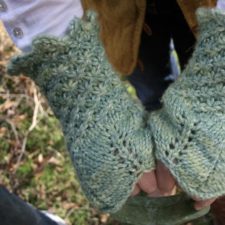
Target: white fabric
38, 17
55, 218
43, 17
221, 4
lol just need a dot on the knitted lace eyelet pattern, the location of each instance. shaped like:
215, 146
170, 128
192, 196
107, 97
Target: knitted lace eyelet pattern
189, 131
103, 126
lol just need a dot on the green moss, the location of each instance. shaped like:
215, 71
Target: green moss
4, 146
25, 170
80, 217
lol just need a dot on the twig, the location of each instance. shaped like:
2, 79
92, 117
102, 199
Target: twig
32, 126
14, 131
36, 109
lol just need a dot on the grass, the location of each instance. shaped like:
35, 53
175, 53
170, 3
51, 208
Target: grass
34, 162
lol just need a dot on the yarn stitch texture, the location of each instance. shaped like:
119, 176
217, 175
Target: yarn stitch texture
109, 137
189, 131
104, 129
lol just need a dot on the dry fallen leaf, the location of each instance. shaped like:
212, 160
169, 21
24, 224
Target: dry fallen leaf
2, 131
104, 218
6, 105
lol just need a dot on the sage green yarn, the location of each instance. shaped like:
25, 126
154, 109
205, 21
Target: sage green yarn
104, 129
189, 131
109, 138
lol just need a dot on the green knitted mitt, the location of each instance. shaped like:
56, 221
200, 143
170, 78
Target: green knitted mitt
189, 131
104, 129
107, 137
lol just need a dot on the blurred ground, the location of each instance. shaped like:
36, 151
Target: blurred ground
33, 161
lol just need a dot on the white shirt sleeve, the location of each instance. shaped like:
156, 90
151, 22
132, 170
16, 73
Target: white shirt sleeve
26, 19
221, 4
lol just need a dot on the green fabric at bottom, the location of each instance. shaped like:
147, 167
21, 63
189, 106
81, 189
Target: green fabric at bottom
175, 210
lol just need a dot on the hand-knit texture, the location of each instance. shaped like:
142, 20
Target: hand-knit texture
189, 131
104, 129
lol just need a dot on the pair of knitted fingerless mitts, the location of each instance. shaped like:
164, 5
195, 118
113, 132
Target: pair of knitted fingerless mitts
108, 135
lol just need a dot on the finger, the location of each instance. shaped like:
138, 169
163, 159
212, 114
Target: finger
147, 182
204, 203
136, 190
165, 181
155, 194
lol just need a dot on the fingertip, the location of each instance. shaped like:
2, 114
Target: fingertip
147, 182
155, 194
165, 180
135, 191
198, 205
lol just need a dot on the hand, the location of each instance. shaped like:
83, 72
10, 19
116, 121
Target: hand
200, 204
160, 182
156, 183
